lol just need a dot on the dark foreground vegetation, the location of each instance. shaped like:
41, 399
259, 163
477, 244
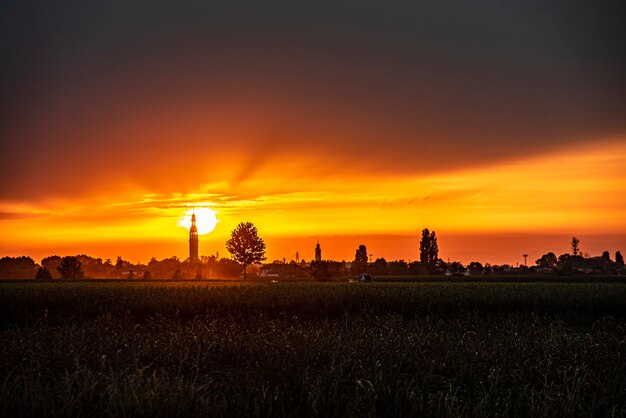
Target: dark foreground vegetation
313, 349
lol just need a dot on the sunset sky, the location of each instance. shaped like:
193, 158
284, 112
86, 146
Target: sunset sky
499, 124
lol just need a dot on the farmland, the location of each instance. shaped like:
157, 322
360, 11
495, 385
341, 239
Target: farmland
312, 349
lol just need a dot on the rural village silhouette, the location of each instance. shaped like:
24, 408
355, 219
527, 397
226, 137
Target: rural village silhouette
247, 250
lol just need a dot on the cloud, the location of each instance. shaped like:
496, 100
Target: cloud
109, 98
20, 215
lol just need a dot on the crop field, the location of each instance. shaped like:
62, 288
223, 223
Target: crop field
312, 349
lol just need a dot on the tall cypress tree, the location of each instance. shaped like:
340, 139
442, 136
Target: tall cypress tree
424, 247
429, 250
433, 252
359, 265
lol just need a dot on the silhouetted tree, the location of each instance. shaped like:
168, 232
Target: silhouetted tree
415, 268
440, 266
360, 256
606, 256
246, 246
575, 249
548, 260
177, 274
147, 275
456, 268
424, 246
51, 263
43, 274
565, 263
70, 268
397, 268
227, 267
379, 267
320, 270
619, 259
121, 263
209, 260
429, 250
433, 251
21, 267
92, 267
165, 268
359, 265
475, 268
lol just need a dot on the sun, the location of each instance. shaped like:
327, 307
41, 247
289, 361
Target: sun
205, 220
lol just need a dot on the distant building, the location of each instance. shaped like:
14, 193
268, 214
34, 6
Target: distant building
282, 270
318, 252
269, 271
193, 240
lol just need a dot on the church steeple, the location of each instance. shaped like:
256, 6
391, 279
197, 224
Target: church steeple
318, 252
193, 239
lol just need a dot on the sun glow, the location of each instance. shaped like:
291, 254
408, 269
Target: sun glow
205, 220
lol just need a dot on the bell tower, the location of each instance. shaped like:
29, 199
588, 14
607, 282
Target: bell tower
318, 252
193, 239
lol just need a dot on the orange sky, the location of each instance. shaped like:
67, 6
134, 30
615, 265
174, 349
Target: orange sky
492, 213
350, 122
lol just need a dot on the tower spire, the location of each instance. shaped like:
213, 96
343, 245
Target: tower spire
193, 239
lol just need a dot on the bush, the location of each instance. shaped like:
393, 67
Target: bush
43, 274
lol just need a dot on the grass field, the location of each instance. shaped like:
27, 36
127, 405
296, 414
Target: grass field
312, 349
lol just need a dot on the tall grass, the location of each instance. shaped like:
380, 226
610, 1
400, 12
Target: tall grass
312, 350
34, 301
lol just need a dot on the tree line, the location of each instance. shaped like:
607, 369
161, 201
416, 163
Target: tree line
247, 250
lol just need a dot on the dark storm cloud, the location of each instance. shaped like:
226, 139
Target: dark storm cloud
416, 85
